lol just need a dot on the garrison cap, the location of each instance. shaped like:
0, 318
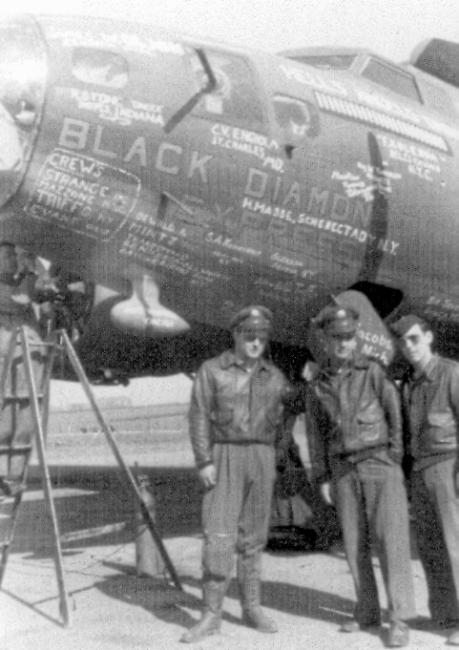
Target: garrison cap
337, 320
401, 327
255, 317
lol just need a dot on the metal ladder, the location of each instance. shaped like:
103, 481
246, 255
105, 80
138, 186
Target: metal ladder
39, 403
14, 394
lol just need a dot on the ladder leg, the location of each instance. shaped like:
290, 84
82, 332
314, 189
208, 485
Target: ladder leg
64, 605
7, 364
9, 538
12, 516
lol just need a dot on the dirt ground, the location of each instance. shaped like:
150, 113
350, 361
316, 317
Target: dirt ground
308, 593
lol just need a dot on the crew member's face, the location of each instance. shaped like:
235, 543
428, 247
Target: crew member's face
416, 346
341, 346
249, 344
8, 260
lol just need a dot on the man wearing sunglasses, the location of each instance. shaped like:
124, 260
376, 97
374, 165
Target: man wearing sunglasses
430, 399
353, 424
235, 421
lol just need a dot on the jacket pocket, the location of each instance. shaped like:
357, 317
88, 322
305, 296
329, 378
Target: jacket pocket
441, 431
222, 417
444, 420
371, 425
274, 414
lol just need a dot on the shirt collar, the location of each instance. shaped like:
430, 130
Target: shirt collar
429, 372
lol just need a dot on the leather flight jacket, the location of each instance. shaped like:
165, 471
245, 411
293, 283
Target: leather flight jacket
431, 410
229, 407
352, 414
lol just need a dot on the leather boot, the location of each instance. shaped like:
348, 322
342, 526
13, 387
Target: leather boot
248, 574
399, 635
213, 594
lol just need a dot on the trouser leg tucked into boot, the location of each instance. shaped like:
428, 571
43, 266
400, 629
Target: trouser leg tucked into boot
213, 595
248, 576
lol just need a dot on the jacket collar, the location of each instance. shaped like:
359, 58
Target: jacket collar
357, 361
228, 359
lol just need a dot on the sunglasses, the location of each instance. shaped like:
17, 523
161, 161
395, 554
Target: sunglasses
345, 336
253, 335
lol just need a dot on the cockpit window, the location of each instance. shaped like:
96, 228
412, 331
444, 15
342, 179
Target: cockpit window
393, 78
235, 97
328, 62
99, 67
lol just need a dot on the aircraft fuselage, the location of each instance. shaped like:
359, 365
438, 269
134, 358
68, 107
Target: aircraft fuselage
228, 177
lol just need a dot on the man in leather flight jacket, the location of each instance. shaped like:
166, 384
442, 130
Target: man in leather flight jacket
235, 420
430, 399
353, 425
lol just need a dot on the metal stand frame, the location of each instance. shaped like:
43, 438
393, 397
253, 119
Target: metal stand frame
39, 402
39, 405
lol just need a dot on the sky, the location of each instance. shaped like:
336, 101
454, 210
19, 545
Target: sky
392, 28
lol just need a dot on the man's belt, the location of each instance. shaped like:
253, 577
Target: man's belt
244, 442
361, 454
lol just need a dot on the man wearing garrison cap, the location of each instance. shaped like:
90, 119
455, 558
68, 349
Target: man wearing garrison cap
353, 424
430, 399
235, 420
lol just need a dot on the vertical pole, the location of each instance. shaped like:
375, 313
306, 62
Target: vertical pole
64, 605
45, 390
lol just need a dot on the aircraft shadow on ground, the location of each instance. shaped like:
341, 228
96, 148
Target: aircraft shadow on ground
105, 500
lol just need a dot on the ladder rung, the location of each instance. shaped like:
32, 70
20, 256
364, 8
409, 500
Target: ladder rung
19, 397
43, 344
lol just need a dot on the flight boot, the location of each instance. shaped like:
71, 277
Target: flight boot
399, 635
248, 576
213, 594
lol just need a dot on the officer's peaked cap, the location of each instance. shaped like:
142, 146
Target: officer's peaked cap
337, 320
252, 317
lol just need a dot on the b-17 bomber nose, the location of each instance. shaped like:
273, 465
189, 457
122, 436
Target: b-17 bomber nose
11, 156
23, 72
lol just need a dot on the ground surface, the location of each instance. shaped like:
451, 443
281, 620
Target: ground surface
309, 593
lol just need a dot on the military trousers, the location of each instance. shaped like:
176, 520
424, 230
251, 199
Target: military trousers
236, 512
436, 509
372, 507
